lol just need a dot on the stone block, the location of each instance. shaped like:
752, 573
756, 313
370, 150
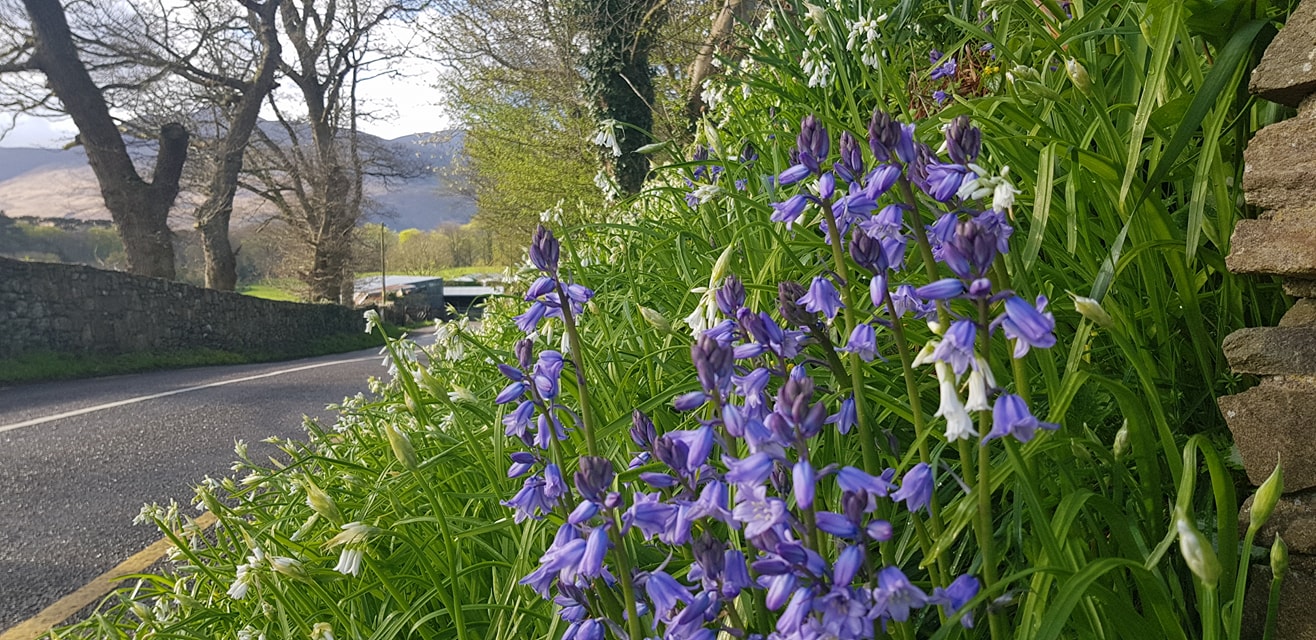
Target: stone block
1276, 418
1272, 350
1301, 314
1287, 71
1297, 618
1278, 162
1294, 519
1274, 247
1300, 287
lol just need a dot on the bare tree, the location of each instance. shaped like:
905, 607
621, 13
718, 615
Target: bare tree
139, 208
314, 167
224, 56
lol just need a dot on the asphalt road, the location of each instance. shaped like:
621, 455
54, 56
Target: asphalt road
70, 487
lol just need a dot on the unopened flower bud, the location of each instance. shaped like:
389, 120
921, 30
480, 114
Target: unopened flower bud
730, 296
1079, 76
525, 352
963, 140
1263, 503
593, 477
1279, 558
788, 293
401, 446
544, 250
656, 320
1197, 551
1091, 309
643, 433
321, 503
288, 567
1121, 446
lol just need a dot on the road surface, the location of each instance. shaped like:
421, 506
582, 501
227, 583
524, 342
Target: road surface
75, 469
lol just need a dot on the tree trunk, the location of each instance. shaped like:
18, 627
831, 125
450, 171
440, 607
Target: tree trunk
140, 210
214, 215
703, 64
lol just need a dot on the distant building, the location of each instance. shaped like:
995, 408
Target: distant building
412, 298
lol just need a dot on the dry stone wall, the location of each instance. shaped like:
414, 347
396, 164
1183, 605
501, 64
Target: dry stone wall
1277, 418
73, 309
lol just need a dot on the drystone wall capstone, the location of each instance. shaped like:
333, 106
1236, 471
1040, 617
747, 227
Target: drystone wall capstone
80, 310
1276, 420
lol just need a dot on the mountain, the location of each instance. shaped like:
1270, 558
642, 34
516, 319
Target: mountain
54, 183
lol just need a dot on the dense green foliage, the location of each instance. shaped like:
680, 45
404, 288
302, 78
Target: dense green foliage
1122, 125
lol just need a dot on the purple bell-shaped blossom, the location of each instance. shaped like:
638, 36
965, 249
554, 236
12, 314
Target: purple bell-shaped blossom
897, 594
1011, 416
664, 593
953, 597
956, 347
1028, 325
846, 417
758, 512
821, 297
863, 341
915, 488
789, 210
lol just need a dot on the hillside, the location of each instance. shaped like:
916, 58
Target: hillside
53, 183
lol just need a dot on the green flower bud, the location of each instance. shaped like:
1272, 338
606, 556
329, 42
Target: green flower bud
1091, 309
1079, 76
321, 503
656, 320
1197, 551
1279, 558
1263, 503
1121, 447
402, 448
288, 567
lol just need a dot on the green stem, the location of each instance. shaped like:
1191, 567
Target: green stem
578, 360
984, 489
866, 443
627, 586
1272, 610
1210, 614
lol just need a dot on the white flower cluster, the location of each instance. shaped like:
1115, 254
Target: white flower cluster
607, 136
864, 40
983, 184
819, 68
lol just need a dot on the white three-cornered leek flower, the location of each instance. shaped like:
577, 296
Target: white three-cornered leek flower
353, 540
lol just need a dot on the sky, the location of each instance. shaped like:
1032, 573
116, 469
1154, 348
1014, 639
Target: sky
410, 106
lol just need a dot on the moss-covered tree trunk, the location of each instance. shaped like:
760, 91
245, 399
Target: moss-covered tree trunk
618, 81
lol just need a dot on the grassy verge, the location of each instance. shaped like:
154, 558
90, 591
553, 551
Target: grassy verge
282, 290
47, 365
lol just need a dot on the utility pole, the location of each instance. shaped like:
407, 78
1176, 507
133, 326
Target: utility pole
383, 270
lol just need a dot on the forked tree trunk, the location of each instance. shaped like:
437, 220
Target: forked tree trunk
214, 215
140, 209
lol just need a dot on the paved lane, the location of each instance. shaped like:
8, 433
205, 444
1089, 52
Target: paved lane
70, 487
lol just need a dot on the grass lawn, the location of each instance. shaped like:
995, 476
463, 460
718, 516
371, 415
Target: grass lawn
285, 290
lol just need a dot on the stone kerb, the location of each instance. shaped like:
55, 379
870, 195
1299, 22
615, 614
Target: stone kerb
1277, 418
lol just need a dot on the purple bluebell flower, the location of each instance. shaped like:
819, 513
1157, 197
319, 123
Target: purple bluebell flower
946, 69
867, 252
888, 223
790, 210
547, 372
821, 297
780, 588
529, 319
658, 480
758, 512
689, 401
956, 347
521, 463
730, 296
596, 547
915, 488
826, 186
643, 433
518, 420
883, 134
593, 477
544, 250
944, 180
697, 444
793, 174
1028, 325
908, 151
855, 480
583, 512
837, 524
1011, 416
953, 597
530, 501
863, 341
510, 372
750, 471
788, 294
735, 573
712, 503
898, 594
880, 530
939, 97
881, 180
813, 143
801, 604
542, 285
511, 393
851, 164
714, 362
846, 417
648, 513
548, 427
906, 299
805, 484
963, 140
847, 564
588, 629
665, 592
943, 229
